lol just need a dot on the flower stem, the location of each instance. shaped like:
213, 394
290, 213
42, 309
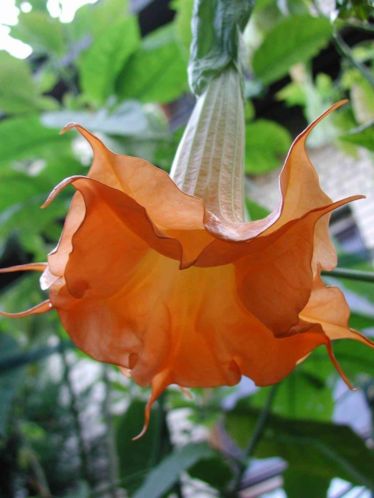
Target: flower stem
209, 162
345, 273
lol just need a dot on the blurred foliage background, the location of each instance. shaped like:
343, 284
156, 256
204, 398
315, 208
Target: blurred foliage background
120, 69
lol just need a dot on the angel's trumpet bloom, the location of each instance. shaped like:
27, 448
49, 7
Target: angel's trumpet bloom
164, 277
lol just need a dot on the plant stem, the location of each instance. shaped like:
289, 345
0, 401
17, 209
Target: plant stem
255, 439
112, 454
345, 51
361, 276
75, 416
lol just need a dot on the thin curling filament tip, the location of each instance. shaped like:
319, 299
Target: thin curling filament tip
141, 433
68, 127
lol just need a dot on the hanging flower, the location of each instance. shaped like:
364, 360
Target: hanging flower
164, 277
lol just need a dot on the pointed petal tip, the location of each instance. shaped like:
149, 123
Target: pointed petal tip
39, 309
338, 368
59, 187
141, 433
68, 127
27, 267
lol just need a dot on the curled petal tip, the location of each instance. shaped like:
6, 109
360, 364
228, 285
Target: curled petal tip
57, 189
39, 309
338, 367
68, 127
141, 433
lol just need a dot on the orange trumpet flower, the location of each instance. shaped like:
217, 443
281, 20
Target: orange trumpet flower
174, 289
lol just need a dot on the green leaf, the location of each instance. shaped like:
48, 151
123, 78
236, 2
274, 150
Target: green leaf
267, 143
101, 63
215, 32
362, 136
297, 484
9, 381
319, 449
183, 22
17, 187
214, 470
294, 39
136, 458
41, 31
162, 477
156, 72
18, 92
22, 137
361, 321
255, 210
301, 395
94, 20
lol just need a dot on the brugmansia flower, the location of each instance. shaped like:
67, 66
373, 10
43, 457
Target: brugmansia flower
164, 277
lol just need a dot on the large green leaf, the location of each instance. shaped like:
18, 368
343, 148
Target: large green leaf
102, 62
319, 449
362, 136
302, 484
301, 395
18, 92
213, 470
41, 31
156, 72
25, 137
267, 143
136, 458
294, 39
91, 21
162, 477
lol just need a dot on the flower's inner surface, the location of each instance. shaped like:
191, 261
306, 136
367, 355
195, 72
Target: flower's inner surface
209, 162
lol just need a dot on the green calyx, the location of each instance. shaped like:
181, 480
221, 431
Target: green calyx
216, 28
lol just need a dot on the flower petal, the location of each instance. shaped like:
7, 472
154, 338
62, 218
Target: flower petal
300, 191
176, 214
275, 280
328, 307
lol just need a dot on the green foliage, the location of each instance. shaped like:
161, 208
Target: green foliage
255, 211
213, 470
318, 449
25, 137
100, 65
156, 72
43, 33
294, 39
65, 431
164, 475
136, 458
18, 91
362, 136
183, 22
266, 145
10, 382
302, 395
298, 484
